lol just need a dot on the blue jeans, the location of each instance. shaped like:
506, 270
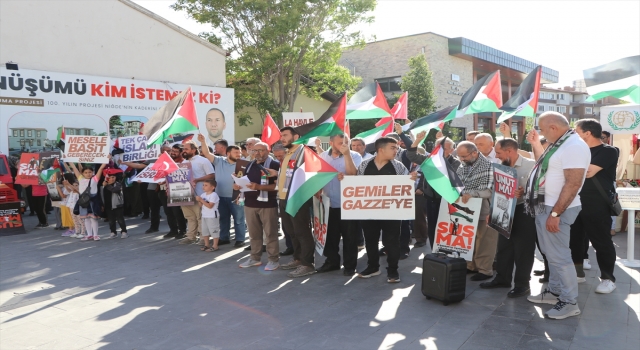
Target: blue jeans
227, 209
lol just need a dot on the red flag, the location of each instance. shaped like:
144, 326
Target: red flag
140, 129
270, 131
399, 110
56, 163
187, 139
347, 129
389, 128
164, 166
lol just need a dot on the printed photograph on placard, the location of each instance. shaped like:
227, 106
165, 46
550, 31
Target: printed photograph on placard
179, 190
503, 201
457, 226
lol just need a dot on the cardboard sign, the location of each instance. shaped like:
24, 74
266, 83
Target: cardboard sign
87, 149
135, 149
373, 197
296, 119
503, 201
147, 175
28, 169
629, 198
457, 226
320, 221
11, 219
179, 190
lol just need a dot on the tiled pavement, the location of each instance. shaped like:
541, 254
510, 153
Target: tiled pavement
146, 292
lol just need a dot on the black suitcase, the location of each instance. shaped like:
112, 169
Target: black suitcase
444, 278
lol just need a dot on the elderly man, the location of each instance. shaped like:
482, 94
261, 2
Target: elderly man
261, 208
279, 152
358, 145
174, 213
202, 170
384, 163
551, 194
594, 220
225, 167
484, 142
476, 174
346, 162
431, 198
520, 247
250, 142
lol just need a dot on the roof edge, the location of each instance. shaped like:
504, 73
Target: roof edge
174, 26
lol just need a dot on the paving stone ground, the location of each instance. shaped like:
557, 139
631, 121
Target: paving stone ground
146, 292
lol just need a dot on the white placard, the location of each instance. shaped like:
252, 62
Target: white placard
242, 182
135, 149
86, 149
147, 175
296, 119
373, 197
620, 119
457, 227
629, 198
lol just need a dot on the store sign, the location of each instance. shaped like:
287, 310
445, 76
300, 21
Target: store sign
297, 119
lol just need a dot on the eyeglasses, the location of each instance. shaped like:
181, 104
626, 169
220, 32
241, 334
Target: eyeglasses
604, 137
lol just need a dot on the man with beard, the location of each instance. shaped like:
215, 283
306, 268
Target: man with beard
215, 124
225, 167
476, 174
261, 208
298, 226
219, 147
202, 170
519, 248
175, 217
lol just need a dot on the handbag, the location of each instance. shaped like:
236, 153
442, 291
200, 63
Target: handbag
614, 205
85, 197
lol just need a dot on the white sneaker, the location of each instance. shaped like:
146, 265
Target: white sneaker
272, 265
586, 265
563, 310
250, 263
546, 297
112, 235
605, 287
582, 279
124, 235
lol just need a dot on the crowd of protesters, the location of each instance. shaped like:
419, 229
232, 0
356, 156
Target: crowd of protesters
563, 190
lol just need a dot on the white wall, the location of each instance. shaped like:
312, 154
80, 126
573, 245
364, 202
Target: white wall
105, 38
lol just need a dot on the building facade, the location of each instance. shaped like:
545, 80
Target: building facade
456, 64
571, 103
27, 138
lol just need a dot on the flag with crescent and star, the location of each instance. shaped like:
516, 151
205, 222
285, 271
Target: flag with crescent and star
270, 131
164, 166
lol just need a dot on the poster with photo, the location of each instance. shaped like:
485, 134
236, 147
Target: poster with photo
457, 226
503, 201
320, 221
179, 190
28, 169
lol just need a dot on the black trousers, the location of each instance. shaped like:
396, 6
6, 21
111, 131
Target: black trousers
420, 229
39, 203
433, 207
390, 240
145, 198
519, 250
116, 215
32, 206
154, 208
405, 236
594, 221
175, 217
341, 228
299, 228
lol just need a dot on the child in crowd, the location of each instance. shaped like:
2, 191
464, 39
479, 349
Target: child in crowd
65, 213
71, 187
91, 214
113, 200
210, 223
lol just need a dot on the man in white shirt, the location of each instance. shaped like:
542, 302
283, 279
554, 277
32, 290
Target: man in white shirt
551, 194
357, 145
202, 170
484, 142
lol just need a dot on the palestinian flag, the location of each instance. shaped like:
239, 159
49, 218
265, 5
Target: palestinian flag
332, 122
177, 116
307, 180
484, 96
384, 127
441, 176
49, 175
368, 103
434, 120
454, 211
61, 138
619, 79
525, 100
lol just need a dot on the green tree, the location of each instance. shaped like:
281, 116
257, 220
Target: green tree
279, 49
418, 82
116, 120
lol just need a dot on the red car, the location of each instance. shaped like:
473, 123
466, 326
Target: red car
5, 171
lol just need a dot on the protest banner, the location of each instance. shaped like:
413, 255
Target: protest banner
87, 149
457, 226
179, 190
28, 169
296, 119
11, 219
388, 197
320, 221
147, 174
503, 201
135, 149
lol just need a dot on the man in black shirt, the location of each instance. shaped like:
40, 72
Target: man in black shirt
594, 219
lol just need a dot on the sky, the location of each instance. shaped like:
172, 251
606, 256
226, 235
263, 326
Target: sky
567, 36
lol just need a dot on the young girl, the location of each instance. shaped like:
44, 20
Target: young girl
71, 187
113, 202
90, 214
210, 222
65, 213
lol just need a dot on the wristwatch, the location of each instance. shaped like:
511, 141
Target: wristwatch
554, 214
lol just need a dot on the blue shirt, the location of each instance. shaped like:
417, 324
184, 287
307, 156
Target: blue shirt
332, 189
224, 169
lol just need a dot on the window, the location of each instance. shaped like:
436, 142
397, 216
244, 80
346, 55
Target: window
541, 108
560, 96
389, 84
15, 133
38, 134
561, 109
541, 95
38, 142
29, 133
550, 96
21, 133
588, 110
